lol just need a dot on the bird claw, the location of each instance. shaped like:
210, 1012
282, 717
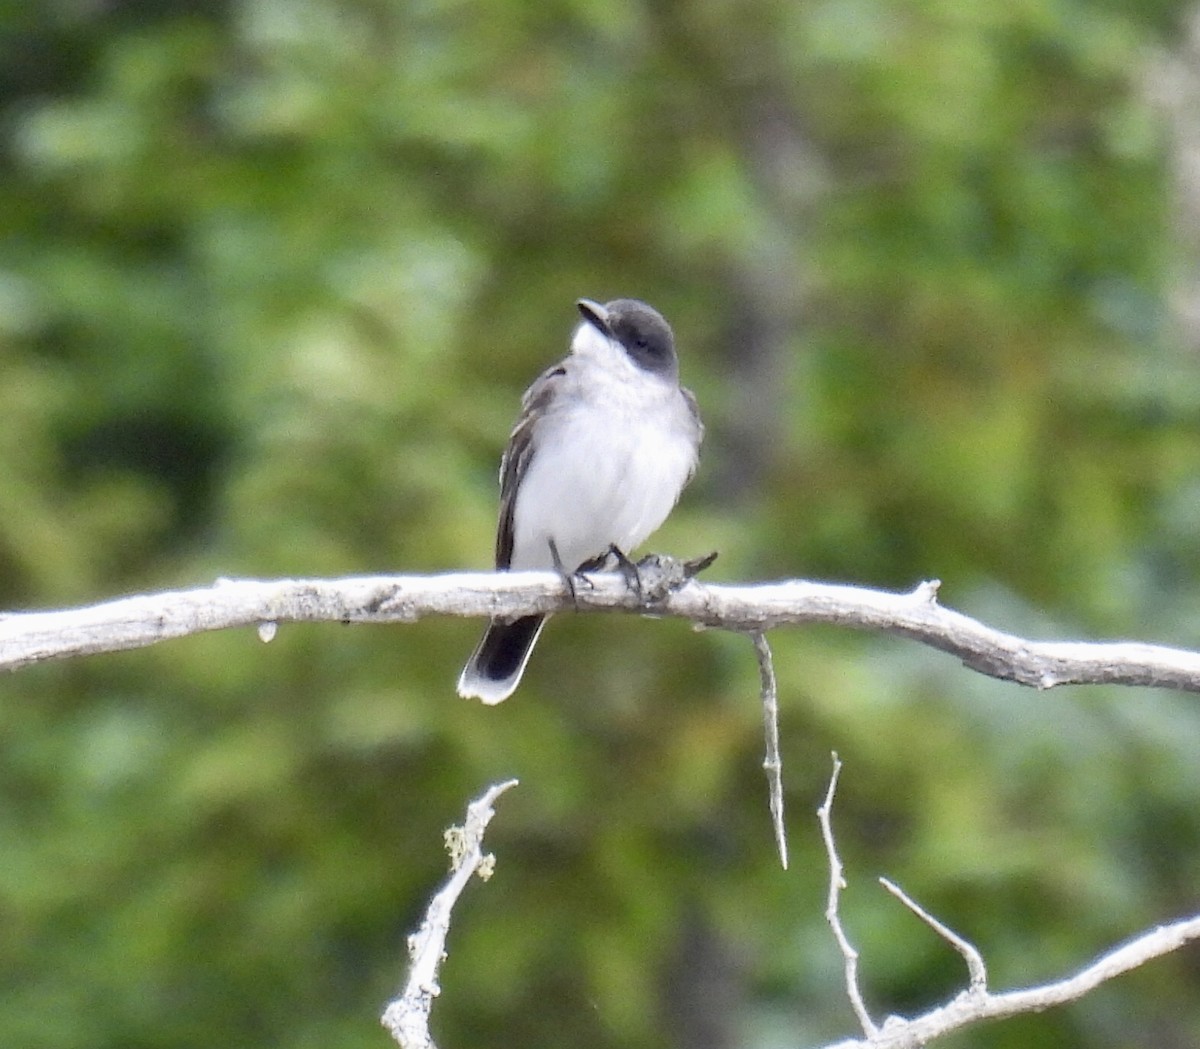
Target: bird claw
630, 571
652, 578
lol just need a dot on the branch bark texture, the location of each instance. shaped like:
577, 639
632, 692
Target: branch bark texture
132, 622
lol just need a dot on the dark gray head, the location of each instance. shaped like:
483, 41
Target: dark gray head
639, 328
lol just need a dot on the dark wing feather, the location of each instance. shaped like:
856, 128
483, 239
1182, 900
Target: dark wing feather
519, 454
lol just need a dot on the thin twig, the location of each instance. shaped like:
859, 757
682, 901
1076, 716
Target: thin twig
407, 1016
772, 761
837, 883
976, 968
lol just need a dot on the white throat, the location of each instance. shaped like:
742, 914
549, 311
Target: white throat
589, 341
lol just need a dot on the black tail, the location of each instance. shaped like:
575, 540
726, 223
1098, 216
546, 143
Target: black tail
495, 667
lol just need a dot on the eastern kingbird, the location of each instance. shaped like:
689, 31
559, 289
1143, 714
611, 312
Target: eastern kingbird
605, 442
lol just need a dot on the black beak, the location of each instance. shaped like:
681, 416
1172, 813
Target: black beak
596, 315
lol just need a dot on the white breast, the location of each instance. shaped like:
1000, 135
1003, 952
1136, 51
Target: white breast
611, 456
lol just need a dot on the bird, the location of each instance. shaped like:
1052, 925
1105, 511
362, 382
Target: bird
605, 443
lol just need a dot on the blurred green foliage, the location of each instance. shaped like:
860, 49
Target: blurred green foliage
272, 278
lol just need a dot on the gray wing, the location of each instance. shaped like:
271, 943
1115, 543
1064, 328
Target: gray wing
689, 399
519, 454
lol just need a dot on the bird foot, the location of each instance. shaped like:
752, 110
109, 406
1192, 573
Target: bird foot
572, 579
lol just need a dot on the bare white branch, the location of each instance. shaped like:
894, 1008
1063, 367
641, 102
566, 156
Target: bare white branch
132, 622
27, 638
970, 1008
976, 1004
772, 761
407, 1016
837, 882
